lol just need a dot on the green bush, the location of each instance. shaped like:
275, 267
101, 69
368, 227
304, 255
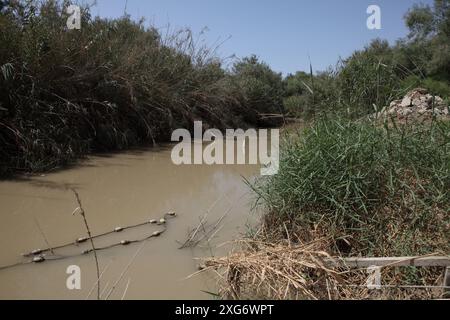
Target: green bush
435, 87
296, 106
430, 34
369, 78
309, 95
440, 88
379, 188
262, 89
111, 85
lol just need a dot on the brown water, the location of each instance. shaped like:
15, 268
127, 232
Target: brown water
120, 190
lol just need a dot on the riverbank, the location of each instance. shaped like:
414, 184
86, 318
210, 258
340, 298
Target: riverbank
347, 189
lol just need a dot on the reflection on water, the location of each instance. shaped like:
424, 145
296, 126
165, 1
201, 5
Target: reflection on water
119, 190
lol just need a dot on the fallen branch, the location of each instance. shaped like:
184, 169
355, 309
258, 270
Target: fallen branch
83, 214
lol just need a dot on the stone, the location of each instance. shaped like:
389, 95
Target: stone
392, 110
417, 102
395, 103
422, 110
406, 102
438, 100
406, 112
421, 91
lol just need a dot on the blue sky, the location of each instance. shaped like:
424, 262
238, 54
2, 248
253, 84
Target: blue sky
283, 33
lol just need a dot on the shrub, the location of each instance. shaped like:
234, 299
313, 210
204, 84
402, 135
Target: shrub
111, 85
261, 87
377, 188
297, 106
369, 77
440, 88
374, 76
309, 95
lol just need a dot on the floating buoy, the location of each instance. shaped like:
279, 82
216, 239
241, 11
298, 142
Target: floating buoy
36, 252
38, 255
81, 240
38, 259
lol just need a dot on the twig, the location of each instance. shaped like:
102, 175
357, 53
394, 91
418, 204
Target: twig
126, 289
83, 214
96, 282
104, 289
125, 269
50, 248
202, 221
215, 232
204, 231
214, 227
193, 234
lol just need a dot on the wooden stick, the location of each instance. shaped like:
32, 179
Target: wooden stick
83, 214
43, 235
429, 261
96, 282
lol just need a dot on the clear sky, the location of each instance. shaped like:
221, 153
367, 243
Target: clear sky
283, 33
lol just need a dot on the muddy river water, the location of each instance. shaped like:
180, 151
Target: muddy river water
120, 190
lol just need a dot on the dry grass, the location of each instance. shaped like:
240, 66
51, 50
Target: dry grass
347, 189
259, 268
277, 271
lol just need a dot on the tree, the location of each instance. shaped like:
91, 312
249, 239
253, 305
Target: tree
420, 22
262, 88
430, 32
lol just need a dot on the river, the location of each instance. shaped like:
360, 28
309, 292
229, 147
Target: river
121, 190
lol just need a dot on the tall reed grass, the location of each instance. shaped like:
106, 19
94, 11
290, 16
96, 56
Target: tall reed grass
376, 190
113, 84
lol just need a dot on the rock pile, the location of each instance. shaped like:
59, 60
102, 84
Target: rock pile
417, 103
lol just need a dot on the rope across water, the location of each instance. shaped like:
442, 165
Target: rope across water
40, 255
